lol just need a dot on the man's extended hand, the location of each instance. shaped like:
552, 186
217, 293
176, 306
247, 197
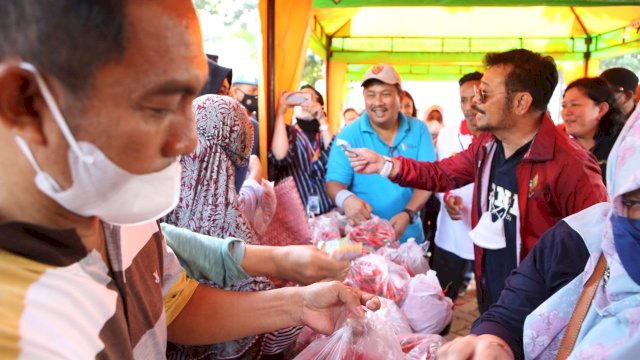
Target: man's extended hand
365, 161
356, 210
306, 264
476, 347
400, 222
453, 204
325, 303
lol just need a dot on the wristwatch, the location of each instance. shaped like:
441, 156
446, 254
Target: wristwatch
413, 216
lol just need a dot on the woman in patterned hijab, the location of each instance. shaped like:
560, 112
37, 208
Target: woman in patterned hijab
209, 205
208, 199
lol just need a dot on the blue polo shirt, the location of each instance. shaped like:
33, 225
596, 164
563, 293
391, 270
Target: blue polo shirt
386, 198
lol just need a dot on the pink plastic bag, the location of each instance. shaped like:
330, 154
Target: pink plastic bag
420, 346
374, 233
376, 275
409, 255
425, 306
368, 338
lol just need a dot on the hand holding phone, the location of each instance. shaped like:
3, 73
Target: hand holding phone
346, 147
298, 98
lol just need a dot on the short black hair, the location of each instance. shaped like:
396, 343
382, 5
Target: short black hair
68, 39
531, 72
347, 110
474, 76
405, 93
599, 91
320, 98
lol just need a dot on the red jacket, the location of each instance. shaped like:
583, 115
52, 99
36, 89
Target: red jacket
556, 178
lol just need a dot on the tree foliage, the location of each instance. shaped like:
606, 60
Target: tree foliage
629, 61
312, 69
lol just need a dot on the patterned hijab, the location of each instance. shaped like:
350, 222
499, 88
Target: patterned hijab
208, 199
611, 328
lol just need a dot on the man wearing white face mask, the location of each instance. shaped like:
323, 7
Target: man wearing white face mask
91, 124
301, 150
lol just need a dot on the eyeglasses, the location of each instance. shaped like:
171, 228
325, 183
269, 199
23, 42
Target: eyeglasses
483, 94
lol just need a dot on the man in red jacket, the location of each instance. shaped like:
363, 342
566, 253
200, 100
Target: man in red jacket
527, 174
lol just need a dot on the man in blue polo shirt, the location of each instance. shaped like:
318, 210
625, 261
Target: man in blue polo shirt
384, 129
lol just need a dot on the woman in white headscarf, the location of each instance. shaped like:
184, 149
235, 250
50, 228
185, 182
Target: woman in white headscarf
534, 310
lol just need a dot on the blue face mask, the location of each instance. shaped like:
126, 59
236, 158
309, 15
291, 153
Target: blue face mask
626, 237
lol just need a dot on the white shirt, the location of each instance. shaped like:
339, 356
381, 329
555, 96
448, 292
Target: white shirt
453, 235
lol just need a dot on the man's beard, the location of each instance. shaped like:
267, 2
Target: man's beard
506, 119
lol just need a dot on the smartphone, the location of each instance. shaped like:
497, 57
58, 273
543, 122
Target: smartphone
345, 146
298, 98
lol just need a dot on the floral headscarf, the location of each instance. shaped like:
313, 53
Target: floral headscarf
209, 205
208, 199
611, 328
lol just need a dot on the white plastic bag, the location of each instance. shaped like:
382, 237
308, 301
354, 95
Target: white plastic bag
425, 306
391, 314
368, 338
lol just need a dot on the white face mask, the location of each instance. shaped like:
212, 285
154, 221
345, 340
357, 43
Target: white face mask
302, 114
489, 234
100, 187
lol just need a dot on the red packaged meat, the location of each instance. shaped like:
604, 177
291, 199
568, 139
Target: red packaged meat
375, 233
376, 275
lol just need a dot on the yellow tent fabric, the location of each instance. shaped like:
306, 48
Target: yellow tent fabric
291, 36
443, 42
477, 22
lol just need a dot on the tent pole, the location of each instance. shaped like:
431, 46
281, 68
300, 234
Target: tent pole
271, 83
587, 41
328, 75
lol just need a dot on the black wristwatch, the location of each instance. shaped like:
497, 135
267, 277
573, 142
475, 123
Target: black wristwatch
413, 216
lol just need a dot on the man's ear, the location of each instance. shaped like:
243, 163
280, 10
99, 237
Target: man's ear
522, 102
20, 103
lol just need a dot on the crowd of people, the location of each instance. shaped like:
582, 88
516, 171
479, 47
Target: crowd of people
134, 205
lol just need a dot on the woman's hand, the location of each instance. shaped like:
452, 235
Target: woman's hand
325, 303
306, 264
